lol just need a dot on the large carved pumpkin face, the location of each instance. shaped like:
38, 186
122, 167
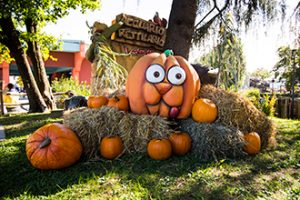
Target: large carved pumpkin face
162, 84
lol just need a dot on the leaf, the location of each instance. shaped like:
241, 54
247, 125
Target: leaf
110, 74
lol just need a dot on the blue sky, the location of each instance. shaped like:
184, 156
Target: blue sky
259, 46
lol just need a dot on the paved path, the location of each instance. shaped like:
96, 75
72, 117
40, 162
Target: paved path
2, 133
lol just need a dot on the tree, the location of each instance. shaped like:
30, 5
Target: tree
288, 67
261, 73
33, 15
181, 26
37, 61
10, 38
227, 56
184, 28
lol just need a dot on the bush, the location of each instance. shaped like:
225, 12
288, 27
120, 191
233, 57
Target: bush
264, 103
268, 105
253, 94
65, 84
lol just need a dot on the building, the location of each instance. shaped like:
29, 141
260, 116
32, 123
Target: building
70, 60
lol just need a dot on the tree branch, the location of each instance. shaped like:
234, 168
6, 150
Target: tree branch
1, 38
220, 11
205, 17
3, 35
296, 9
201, 30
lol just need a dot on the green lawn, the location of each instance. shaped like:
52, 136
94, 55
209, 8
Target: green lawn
273, 174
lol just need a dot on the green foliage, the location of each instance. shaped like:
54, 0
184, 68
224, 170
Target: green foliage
45, 10
284, 67
211, 13
4, 54
110, 74
261, 73
272, 174
46, 41
65, 84
268, 105
19, 81
253, 94
41, 12
228, 56
265, 103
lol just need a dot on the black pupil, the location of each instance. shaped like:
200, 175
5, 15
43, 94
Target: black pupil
178, 76
156, 74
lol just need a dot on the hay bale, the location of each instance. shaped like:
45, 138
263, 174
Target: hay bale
91, 125
237, 111
214, 141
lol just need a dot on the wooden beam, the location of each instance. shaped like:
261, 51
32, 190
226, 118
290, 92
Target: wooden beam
1, 98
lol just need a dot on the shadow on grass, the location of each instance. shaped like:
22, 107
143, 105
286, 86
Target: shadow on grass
19, 177
25, 124
18, 118
247, 185
263, 175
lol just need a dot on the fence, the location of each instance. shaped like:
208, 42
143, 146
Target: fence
23, 104
284, 108
283, 105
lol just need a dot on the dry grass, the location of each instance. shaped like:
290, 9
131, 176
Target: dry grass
214, 141
224, 138
91, 125
236, 111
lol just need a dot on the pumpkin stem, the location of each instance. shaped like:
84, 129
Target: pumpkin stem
168, 52
45, 143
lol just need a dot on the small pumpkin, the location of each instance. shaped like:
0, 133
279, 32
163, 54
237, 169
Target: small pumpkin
162, 84
181, 143
120, 102
159, 149
111, 147
204, 110
97, 101
253, 143
53, 146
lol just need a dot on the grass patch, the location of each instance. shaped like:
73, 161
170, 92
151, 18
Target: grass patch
273, 174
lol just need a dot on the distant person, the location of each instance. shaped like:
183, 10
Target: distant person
11, 88
9, 97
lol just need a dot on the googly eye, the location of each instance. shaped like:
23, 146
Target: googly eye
176, 75
155, 73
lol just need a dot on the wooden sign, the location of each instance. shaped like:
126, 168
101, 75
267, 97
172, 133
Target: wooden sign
139, 32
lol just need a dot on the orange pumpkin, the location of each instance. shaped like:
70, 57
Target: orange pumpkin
96, 101
253, 143
120, 102
162, 84
204, 110
159, 149
111, 147
53, 146
181, 143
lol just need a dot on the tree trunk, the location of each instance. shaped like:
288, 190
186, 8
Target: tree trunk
38, 65
10, 38
181, 27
